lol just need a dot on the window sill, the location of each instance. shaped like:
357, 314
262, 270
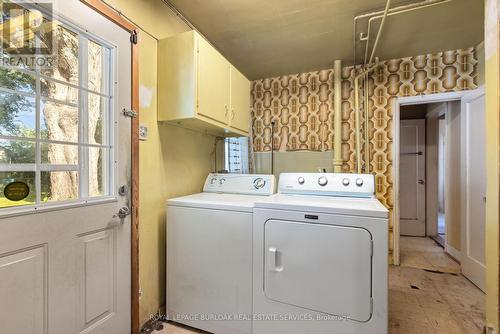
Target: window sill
41, 208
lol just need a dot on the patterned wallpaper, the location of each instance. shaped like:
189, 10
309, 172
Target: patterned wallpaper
301, 106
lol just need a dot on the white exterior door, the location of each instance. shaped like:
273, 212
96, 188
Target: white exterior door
412, 178
474, 187
64, 252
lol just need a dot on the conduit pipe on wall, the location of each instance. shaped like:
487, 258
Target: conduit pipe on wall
366, 83
366, 37
357, 113
337, 108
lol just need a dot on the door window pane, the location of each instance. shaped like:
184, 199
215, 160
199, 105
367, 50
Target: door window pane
66, 63
17, 152
17, 115
59, 154
58, 91
97, 67
59, 186
9, 177
17, 80
59, 122
97, 171
97, 111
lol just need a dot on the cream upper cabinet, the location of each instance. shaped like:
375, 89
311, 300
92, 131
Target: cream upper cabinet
213, 83
199, 89
239, 116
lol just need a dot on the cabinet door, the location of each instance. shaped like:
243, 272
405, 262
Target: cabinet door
239, 116
213, 83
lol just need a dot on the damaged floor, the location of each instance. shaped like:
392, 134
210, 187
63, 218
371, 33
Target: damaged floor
427, 295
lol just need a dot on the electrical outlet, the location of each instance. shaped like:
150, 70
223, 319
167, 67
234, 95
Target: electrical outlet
489, 329
143, 132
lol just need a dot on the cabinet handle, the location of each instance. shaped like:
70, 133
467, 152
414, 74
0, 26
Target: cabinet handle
225, 110
232, 113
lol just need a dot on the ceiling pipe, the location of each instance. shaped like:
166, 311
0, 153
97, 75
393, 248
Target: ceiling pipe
337, 109
393, 11
379, 33
425, 4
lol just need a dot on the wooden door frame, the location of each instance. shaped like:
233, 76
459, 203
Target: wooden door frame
106, 11
398, 102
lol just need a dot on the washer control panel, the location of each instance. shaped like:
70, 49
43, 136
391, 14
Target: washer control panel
247, 184
327, 184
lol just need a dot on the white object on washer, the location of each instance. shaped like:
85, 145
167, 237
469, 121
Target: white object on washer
321, 257
209, 253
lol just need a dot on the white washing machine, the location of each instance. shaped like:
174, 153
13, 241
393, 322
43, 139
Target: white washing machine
209, 253
321, 257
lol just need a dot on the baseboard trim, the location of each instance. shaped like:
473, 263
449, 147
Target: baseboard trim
453, 252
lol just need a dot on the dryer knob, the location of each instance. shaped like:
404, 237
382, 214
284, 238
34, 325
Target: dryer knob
346, 182
221, 181
213, 180
322, 181
359, 182
301, 180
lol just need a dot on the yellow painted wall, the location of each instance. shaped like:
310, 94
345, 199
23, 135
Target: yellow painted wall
492, 160
173, 161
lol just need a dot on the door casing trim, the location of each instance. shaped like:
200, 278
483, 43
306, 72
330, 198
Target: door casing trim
398, 102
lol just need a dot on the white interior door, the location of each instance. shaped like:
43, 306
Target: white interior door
474, 187
64, 252
412, 178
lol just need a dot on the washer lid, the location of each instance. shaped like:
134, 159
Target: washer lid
232, 202
369, 207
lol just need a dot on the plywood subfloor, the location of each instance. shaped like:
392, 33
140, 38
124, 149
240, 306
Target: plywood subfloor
424, 253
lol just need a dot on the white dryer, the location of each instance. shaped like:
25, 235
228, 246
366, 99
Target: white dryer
321, 257
209, 253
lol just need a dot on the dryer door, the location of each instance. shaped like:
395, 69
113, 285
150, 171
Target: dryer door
323, 268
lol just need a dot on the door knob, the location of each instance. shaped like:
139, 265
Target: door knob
123, 212
421, 182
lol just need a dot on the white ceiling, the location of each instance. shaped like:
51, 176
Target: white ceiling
265, 38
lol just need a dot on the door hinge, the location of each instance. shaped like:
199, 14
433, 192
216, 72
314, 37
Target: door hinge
133, 37
129, 113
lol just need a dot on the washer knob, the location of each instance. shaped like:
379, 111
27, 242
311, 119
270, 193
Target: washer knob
213, 180
301, 180
322, 181
346, 182
359, 182
259, 183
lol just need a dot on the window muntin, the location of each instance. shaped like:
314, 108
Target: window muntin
56, 124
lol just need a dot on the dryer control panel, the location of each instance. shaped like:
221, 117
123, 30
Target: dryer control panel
246, 184
327, 184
